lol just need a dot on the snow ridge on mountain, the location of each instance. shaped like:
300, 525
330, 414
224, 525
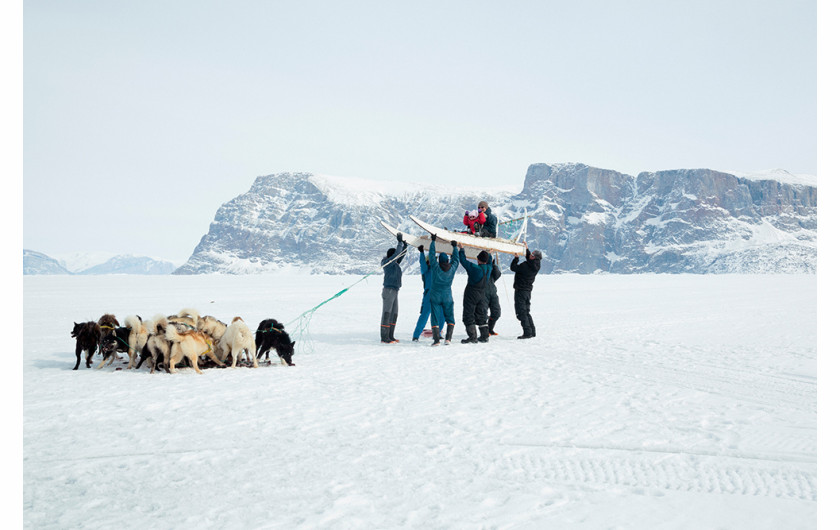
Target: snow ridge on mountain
584, 219
39, 263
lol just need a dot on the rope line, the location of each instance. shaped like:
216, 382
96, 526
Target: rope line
301, 330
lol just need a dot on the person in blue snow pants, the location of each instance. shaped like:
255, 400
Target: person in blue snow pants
426, 305
441, 273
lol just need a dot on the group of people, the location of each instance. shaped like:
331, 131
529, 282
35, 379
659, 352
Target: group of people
480, 296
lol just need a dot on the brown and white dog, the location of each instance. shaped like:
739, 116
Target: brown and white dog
212, 326
189, 344
186, 316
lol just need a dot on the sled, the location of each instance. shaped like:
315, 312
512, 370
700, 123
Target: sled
471, 242
441, 246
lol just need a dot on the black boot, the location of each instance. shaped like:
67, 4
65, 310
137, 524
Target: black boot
392, 327
485, 333
491, 323
533, 328
472, 335
449, 329
526, 330
435, 336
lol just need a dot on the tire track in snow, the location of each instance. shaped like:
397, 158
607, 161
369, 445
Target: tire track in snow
677, 472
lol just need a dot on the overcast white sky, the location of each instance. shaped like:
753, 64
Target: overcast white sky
140, 118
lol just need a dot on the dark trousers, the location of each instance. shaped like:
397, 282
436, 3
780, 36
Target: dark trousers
522, 306
494, 306
475, 306
390, 311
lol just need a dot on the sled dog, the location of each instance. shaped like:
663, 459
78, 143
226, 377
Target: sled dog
211, 326
272, 335
237, 337
185, 316
87, 339
157, 345
115, 340
189, 344
137, 337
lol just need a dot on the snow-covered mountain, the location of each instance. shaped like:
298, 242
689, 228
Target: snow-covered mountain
130, 264
584, 219
39, 263
77, 262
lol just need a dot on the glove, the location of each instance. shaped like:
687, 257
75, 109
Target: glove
420, 248
434, 237
454, 246
399, 237
466, 212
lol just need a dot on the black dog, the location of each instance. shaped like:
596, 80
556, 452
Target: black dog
272, 335
115, 340
87, 338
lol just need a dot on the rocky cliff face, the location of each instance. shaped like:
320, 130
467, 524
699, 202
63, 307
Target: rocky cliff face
584, 219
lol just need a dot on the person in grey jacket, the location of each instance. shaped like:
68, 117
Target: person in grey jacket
390, 290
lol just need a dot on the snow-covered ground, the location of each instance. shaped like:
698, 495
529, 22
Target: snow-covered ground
645, 402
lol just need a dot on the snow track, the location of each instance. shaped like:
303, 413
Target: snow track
644, 402
660, 470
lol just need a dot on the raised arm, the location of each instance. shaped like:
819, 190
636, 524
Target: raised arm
424, 267
453, 260
401, 245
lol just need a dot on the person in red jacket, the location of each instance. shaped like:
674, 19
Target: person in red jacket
473, 218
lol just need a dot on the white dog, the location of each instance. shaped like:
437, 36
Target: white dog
238, 337
157, 345
137, 337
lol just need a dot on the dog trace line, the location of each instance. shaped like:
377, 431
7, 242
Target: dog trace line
302, 328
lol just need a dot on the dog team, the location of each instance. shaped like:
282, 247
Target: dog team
185, 337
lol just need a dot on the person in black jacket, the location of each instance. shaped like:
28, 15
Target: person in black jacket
523, 283
475, 296
390, 289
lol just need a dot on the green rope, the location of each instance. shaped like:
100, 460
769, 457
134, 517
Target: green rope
269, 330
303, 320
126, 344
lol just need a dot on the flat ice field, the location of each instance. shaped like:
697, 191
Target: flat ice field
645, 402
